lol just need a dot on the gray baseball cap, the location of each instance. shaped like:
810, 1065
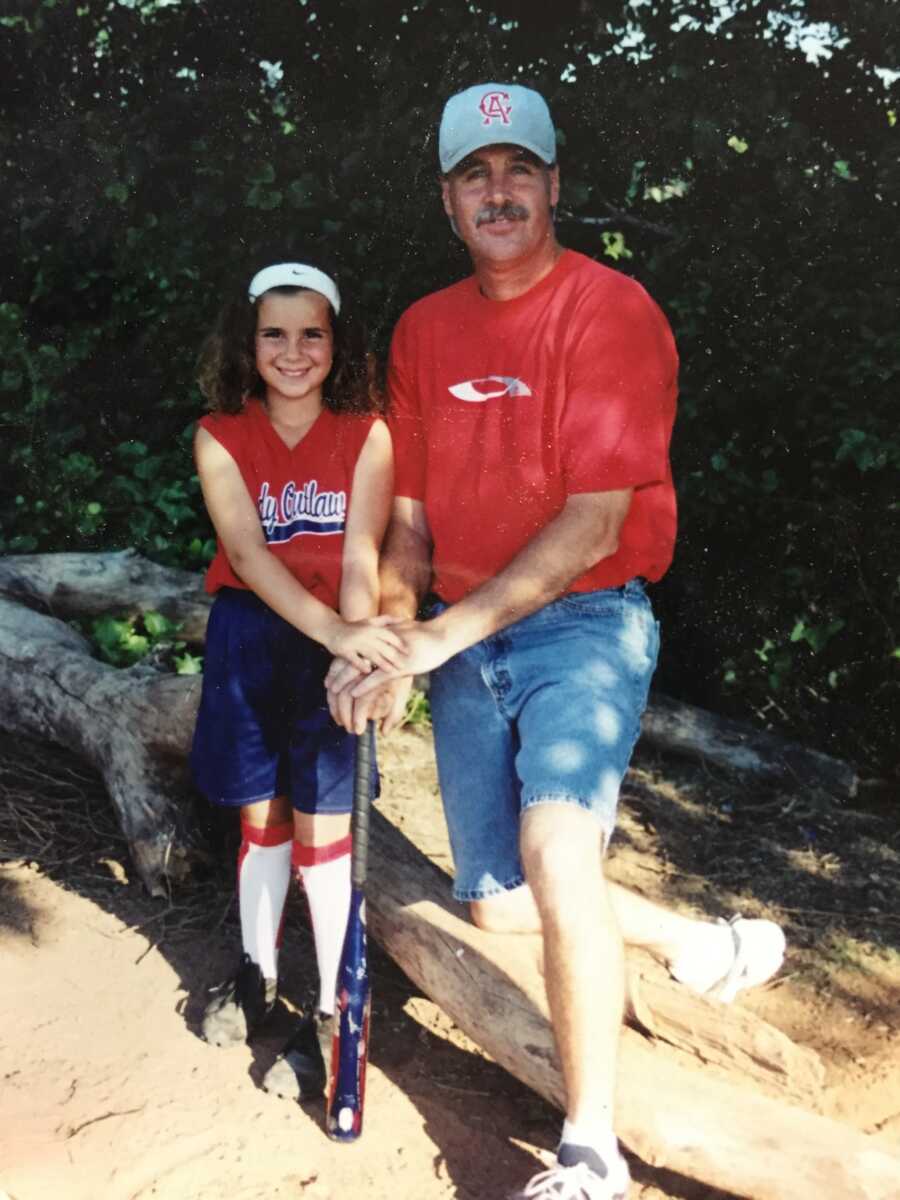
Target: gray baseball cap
489, 114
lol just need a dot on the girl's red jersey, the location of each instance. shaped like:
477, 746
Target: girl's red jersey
302, 495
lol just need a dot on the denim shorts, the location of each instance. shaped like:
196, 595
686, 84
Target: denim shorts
263, 727
546, 711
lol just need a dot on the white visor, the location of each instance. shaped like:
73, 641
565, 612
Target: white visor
295, 275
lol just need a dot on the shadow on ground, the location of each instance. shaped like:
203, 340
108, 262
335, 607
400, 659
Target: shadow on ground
16, 914
831, 871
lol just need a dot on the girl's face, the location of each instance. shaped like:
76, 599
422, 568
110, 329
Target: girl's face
294, 345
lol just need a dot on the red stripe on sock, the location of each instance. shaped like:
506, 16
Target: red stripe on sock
270, 835
309, 856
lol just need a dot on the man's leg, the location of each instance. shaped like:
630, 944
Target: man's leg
697, 952
583, 956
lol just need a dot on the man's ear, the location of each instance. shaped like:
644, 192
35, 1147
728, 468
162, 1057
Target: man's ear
554, 186
445, 196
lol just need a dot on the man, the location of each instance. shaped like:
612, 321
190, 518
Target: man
532, 406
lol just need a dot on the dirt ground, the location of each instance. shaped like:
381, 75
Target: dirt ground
109, 1094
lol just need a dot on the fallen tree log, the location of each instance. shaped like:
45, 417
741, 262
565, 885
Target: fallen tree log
727, 1036
135, 726
120, 581
678, 728
84, 585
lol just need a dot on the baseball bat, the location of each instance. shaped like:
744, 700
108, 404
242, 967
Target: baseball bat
346, 1094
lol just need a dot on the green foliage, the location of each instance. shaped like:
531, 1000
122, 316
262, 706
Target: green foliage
154, 147
124, 641
418, 709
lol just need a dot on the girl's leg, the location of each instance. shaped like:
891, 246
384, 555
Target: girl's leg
240, 1005
321, 859
264, 874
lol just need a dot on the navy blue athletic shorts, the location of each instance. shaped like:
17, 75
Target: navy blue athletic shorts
263, 727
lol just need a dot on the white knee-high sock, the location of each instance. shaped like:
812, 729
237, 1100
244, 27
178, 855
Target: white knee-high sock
264, 875
324, 874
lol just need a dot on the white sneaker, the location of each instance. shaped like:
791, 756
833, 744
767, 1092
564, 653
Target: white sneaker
757, 952
579, 1182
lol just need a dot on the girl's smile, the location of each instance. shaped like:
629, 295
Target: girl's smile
294, 346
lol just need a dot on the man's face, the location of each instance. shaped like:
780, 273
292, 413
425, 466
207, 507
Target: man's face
500, 198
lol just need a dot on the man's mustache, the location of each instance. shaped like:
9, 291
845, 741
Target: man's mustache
504, 212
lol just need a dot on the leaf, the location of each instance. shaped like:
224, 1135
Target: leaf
614, 245
762, 653
738, 145
117, 192
109, 631
111, 636
188, 664
157, 625
147, 468
269, 200
136, 645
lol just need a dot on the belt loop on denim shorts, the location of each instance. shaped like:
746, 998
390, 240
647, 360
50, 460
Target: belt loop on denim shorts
640, 580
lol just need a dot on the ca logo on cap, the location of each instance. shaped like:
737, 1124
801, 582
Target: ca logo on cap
496, 107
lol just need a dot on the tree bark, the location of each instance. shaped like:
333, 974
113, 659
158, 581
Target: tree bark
133, 725
726, 1036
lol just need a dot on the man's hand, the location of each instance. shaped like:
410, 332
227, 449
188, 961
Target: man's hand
426, 647
366, 643
386, 705
389, 705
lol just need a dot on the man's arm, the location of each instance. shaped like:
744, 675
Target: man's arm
405, 569
404, 578
586, 531
367, 519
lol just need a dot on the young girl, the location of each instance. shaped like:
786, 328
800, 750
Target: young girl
296, 475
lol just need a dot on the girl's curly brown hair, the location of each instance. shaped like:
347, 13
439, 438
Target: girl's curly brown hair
226, 367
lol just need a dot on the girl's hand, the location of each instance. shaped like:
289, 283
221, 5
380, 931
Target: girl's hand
368, 644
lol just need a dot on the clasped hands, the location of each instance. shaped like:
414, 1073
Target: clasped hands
356, 695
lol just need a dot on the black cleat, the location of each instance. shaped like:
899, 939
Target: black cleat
299, 1071
239, 1007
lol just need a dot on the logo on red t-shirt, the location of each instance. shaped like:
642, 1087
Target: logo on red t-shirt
479, 390
496, 107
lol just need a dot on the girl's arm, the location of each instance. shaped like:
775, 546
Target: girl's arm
236, 522
370, 509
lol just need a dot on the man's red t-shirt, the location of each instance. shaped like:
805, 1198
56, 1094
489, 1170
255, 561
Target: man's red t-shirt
302, 495
500, 410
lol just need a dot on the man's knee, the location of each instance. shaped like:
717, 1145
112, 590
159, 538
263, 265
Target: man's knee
559, 842
509, 912
563, 865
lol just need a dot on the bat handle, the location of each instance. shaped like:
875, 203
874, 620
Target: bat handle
363, 787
